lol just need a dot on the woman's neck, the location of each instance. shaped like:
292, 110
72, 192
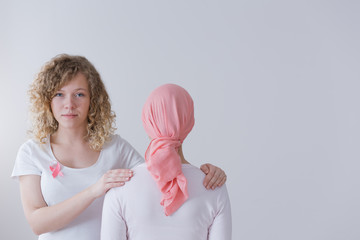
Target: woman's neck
181, 154
69, 136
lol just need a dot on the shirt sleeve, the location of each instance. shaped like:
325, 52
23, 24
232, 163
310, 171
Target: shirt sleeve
25, 163
113, 226
222, 224
129, 157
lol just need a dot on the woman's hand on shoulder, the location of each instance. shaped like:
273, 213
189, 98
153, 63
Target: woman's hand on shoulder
215, 177
112, 178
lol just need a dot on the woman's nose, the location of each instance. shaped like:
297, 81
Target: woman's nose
69, 102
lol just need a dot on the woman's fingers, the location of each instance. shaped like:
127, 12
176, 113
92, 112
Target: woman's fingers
215, 176
212, 183
221, 180
206, 169
112, 178
118, 175
116, 178
120, 172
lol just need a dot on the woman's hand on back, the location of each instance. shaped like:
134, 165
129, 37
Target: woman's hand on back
112, 178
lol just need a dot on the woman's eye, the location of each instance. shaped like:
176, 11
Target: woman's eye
79, 95
58, 95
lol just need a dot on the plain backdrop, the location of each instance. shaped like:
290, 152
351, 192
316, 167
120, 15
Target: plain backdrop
275, 84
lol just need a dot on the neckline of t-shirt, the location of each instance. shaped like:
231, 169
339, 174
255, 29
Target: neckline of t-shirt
70, 168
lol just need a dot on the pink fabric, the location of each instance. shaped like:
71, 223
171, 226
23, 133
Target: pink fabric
168, 117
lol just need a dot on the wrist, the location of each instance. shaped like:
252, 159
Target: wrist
90, 193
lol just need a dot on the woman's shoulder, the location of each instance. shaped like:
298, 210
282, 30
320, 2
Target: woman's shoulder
31, 151
113, 139
116, 141
32, 145
192, 170
122, 152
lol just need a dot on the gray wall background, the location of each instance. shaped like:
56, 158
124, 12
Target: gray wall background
275, 84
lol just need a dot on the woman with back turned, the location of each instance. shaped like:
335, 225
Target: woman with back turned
166, 199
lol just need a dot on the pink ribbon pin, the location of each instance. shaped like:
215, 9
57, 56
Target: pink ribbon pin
56, 171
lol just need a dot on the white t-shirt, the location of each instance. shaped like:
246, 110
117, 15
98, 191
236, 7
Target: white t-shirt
134, 212
36, 159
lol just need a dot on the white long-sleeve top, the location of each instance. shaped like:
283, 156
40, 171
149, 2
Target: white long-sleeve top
133, 212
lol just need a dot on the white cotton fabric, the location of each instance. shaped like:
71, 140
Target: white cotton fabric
133, 212
35, 159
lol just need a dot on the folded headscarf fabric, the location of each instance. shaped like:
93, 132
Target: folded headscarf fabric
168, 117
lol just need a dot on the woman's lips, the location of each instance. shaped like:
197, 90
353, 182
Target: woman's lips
69, 116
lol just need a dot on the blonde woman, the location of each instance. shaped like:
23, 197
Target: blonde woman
73, 157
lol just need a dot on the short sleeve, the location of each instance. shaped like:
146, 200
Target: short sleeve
128, 156
24, 163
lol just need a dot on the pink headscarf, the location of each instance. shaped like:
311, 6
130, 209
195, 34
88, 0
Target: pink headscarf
168, 117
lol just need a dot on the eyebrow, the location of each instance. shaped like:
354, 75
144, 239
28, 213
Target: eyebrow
77, 89
81, 89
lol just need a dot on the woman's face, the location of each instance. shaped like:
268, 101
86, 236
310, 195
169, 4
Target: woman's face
70, 105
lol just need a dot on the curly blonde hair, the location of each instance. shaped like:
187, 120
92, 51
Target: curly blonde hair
53, 76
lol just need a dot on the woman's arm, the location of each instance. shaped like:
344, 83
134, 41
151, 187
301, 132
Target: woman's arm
113, 225
43, 218
221, 227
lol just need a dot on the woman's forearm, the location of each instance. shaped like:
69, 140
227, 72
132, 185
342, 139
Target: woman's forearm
43, 218
47, 219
